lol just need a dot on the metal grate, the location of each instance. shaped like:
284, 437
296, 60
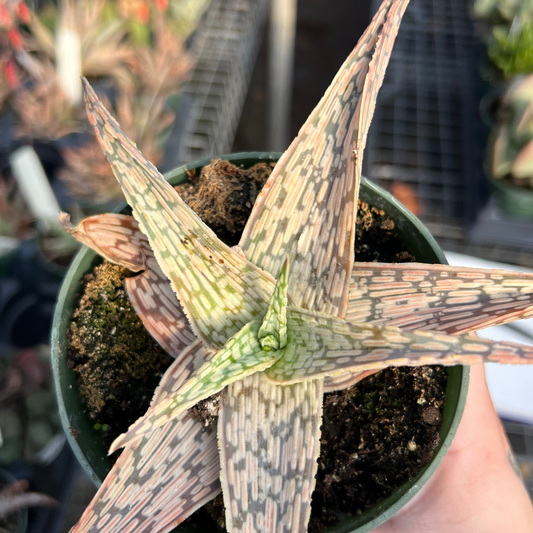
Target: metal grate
225, 49
427, 131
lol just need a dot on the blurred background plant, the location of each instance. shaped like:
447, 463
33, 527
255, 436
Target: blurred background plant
135, 53
513, 135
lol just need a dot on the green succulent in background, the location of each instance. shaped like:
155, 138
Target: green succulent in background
511, 48
503, 10
512, 138
275, 322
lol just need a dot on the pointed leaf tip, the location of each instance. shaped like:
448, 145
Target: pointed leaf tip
220, 291
272, 334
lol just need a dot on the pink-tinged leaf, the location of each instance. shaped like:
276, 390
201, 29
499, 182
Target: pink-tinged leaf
119, 239
241, 356
345, 380
219, 289
115, 237
438, 297
184, 366
269, 442
321, 345
307, 212
157, 482
162, 478
307, 208
160, 311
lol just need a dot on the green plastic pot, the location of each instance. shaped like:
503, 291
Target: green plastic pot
86, 441
517, 202
22, 516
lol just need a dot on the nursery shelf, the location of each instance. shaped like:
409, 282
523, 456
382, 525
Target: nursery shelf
427, 132
224, 49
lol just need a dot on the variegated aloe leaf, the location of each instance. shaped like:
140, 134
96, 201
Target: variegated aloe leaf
270, 452
219, 289
256, 347
118, 239
115, 237
320, 345
272, 334
438, 297
162, 478
307, 208
241, 356
345, 380
306, 211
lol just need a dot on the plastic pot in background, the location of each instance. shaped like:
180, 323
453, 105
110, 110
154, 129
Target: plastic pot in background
86, 441
517, 202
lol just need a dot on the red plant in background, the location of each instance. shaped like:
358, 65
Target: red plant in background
12, 12
10, 73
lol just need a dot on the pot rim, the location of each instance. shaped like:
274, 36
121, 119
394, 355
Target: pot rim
456, 392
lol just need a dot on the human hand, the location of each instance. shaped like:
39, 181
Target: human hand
476, 489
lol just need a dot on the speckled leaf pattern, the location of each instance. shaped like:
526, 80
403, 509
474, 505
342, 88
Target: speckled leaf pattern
272, 334
307, 208
438, 297
321, 345
160, 311
118, 239
115, 237
241, 356
307, 212
345, 380
269, 438
219, 289
159, 480
183, 367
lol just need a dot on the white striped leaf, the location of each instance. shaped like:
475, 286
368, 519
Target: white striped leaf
162, 478
269, 440
320, 345
438, 297
219, 289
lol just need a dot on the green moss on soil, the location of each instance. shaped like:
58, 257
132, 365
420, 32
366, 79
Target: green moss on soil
118, 363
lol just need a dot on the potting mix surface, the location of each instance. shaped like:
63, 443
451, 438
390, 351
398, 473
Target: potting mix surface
376, 435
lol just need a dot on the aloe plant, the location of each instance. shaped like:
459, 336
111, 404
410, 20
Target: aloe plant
275, 322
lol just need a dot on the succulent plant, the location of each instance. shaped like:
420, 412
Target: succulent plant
512, 138
275, 322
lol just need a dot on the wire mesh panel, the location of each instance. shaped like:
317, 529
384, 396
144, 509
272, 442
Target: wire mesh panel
224, 49
427, 132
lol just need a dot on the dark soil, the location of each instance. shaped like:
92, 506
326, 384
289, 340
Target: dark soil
375, 435
117, 361
223, 196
